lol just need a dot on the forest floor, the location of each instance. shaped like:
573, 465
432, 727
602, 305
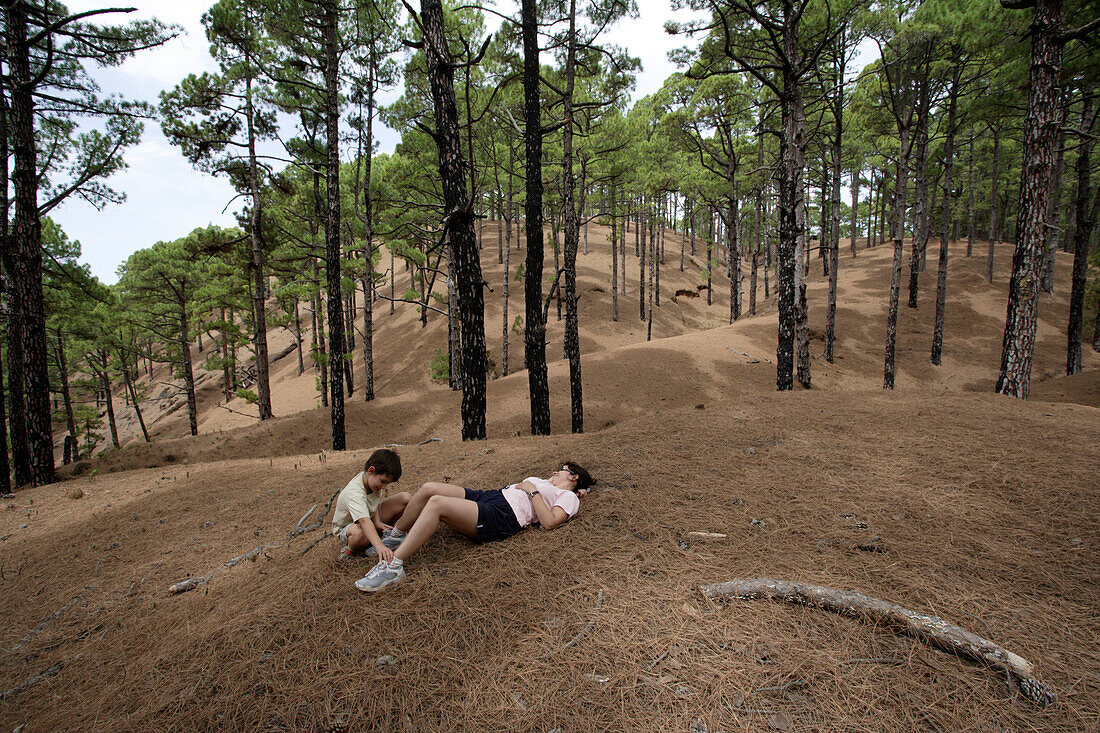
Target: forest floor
939, 496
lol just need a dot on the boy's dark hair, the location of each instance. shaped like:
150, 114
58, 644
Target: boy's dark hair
385, 462
584, 479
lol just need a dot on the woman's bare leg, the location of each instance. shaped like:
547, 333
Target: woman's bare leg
420, 500
460, 514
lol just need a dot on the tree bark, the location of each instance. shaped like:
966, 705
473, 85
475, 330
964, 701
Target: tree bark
994, 208
332, 225
945, 219
895, 280
1031, 232
534, 341
25, 267
105, 381
458, 221
256, 263
133, 398
1055, 204
571, 232
1081, 234
63, 374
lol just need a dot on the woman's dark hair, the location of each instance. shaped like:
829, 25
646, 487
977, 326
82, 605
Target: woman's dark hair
584, 479
385, 462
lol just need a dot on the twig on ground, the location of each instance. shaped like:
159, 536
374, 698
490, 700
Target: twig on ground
298, 526
316, 542
752, 359
591, 622
406, 445
929, 629
791, 684
48, 672
34, 632
102, 559
230, 409
192, 583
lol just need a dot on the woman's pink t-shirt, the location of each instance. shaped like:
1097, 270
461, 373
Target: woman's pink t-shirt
552, 495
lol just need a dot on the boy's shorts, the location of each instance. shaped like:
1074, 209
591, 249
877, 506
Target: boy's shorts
495, 518
344, 534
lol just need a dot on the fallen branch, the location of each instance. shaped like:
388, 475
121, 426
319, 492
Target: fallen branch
929, 629
235, 412
298, 527
192, 583
591, 622
406, 445
33, 632
50, 671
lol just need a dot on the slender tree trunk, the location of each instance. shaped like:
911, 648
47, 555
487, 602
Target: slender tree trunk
641, 268
994, 223
256, 264
971, 222
898, 235
614, 257
534, 342
1040, 139
25, 266
5, 465
133, 398
454, 330
63, 374
1082, 232
734, 257
920, 203
188, 372
105, 380
792, 143
854, 230
1055, 204
572, 235
332, 225
945, 219
834, 233
459, 221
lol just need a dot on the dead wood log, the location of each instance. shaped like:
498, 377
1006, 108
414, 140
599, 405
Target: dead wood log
929, 629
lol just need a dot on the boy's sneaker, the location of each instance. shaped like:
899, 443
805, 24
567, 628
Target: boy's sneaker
380, 576
391, 539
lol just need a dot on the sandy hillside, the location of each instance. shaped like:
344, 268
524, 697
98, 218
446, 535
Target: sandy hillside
940, 496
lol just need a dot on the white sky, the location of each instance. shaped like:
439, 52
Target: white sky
166, 198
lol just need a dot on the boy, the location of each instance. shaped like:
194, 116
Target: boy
362, 519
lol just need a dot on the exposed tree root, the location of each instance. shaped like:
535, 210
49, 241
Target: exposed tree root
929, 629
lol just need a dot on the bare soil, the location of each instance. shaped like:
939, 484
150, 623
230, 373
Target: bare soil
939, 496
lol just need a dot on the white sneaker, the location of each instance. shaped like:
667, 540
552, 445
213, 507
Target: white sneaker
380, 576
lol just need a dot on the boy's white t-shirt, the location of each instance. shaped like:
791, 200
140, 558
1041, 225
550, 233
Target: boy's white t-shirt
354, 503
552, 495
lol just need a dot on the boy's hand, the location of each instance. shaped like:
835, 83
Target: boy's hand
382, 527
385, 554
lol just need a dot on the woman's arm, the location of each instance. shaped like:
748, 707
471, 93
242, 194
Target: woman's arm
549, 517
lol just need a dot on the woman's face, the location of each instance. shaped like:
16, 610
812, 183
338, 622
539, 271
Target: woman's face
564, 478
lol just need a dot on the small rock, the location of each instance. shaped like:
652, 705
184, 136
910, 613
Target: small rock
386, 662
22, 526
601, 678
1075, 541
700, 407
698, 726
684, 544
683, 691
756, 523
736, 501
861, 525
847, 516
750, 451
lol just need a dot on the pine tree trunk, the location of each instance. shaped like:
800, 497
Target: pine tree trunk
63, 374
854, 230
133, 398
188, 372
1040, 139
1055, 205
920, 202
639, 238
256, 263
105, 385
945, 219
5, 465
332, 225
994, 223
534, 337
734, 255
507, 260
614, 257
459, 221
792, 144
25, 267
970, 219
1082, 232
898, 235
572, 234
